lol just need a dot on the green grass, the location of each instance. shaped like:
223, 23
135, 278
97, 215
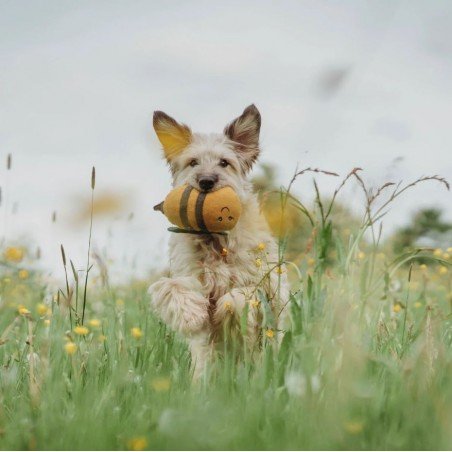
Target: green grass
342, 379
366, 365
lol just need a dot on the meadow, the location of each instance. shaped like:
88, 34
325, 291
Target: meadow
367, 363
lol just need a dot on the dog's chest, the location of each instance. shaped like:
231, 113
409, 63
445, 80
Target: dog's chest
223, 267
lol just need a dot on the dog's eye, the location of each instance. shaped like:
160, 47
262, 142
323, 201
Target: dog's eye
193, 162
224, 163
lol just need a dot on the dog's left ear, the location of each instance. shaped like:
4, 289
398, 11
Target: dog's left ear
244, 133
174, 137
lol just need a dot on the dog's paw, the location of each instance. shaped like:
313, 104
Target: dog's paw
179, 303
233, 304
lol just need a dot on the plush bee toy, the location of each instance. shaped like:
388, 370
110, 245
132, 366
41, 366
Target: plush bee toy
199, 212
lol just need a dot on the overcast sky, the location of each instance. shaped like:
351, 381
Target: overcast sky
339, 84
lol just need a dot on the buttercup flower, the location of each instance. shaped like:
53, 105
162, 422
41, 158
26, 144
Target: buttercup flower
442, 270
161, 384
423, 267
136, 332
397, 308
270, 333
95, 323
261, 246
81, 330
255, 303
354, 427
258, 262
438, 252
70, 348
279, 270
23, 274
361, 255
418, 304
14, 254
228, 307
139, 443
41, 308
22, 310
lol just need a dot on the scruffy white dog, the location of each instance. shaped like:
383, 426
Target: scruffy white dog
213, 277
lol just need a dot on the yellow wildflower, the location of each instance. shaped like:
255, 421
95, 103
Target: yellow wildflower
23, 274
14, 254
442, 270
261, 246
41, 308
418, 304
136, 332
361, 255
258, 262
228, 307
161, 384
446, 256
438, 252
47, 322
449, 250
279, 270
22, 310
81, 330
95, 323
102, 338
397, 308
311, 261
255, 303
119, 302
354, 427
423, 267
139, 443
70, 348
270, 333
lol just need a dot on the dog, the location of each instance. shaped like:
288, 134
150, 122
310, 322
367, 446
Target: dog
216, 279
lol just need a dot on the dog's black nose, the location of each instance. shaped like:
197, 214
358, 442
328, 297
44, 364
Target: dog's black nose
206, 183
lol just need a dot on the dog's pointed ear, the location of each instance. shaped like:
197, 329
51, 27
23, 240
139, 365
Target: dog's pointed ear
173, 136
244, 133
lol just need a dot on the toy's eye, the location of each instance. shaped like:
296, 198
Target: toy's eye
193, 162
220, 218
230, 218
224, 163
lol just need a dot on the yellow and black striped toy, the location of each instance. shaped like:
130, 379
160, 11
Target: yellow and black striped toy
199, 212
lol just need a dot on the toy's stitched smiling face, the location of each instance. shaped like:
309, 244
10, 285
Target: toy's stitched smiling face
225, 215
210, 162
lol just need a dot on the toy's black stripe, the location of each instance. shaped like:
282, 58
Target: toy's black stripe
198, 211
183, 207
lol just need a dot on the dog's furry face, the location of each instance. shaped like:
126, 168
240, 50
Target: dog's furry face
210, 162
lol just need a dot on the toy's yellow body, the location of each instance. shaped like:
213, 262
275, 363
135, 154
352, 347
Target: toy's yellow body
192, 210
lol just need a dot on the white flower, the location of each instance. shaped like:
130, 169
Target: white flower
295, 383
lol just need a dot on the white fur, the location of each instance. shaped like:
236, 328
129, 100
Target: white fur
200, 276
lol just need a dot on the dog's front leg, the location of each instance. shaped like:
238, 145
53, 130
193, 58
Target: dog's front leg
179, 303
